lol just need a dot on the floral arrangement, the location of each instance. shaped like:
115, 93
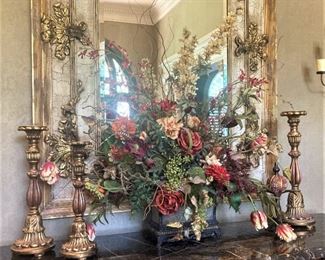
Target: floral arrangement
177, 152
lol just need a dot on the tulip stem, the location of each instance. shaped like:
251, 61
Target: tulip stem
252, 201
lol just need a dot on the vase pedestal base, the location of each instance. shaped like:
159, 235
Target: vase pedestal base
169, 235
157, 227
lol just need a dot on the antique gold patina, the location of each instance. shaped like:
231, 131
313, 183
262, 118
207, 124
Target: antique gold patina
59, 30
254, 46
295, 214
78, 246
34, 241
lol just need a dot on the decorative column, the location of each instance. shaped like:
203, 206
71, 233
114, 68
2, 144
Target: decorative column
295, 214
34, 241
78, 246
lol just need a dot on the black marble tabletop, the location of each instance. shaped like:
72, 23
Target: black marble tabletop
239, 241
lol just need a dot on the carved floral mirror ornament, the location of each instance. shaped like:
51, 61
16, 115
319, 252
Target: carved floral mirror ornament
59, 30
254, 46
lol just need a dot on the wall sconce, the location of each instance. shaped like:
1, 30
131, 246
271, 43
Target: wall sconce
321, 69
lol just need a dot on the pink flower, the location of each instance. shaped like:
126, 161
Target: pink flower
285, 232
91, 232
193, 121
259, 220
170, 126
49, 172
260, 141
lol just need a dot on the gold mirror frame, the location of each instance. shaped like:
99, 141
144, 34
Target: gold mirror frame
47, 80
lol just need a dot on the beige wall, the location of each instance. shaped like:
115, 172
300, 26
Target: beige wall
15, 110
299, 31
300, 34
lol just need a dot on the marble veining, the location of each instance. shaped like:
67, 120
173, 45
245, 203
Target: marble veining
239, 241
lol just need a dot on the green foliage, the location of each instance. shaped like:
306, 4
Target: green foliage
112, 186
235, 201
141, 195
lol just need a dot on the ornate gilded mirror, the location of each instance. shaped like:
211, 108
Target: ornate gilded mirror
104, 42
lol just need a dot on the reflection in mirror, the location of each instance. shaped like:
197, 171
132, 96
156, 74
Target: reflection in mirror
131, 30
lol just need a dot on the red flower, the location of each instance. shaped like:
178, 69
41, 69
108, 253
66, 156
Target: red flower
167, 105
123, 128
259, 220
189, 141
168, 202
219, 173
285, 232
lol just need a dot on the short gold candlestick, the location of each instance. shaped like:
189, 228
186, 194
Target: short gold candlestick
78, 246
34, 241
295, 214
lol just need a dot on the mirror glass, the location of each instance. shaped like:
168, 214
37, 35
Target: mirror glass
133, 30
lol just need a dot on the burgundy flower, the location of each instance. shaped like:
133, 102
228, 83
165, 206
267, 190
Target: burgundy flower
285, 232
259, 220
149, 162
167, 105
189, 141
168, 202
136, 148
219, 173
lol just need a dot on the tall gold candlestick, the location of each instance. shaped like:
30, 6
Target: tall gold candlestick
78, 246
34, 241
295, 214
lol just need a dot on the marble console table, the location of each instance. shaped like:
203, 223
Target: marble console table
239, 241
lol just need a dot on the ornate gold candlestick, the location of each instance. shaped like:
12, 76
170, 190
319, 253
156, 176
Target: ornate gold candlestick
34, 241
78, 246
295, 214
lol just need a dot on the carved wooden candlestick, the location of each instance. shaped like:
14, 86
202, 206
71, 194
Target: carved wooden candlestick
34, 241
295, 214
78, 246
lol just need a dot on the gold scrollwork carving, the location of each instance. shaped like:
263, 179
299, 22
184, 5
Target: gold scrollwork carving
254, 45
59, 30
68, 132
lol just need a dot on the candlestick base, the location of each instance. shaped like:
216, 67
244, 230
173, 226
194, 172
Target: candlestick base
78, 246
296, 215
34, 241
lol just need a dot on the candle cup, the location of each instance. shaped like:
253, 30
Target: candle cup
34, 241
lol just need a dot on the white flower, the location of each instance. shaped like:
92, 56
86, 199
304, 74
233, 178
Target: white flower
211, 159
